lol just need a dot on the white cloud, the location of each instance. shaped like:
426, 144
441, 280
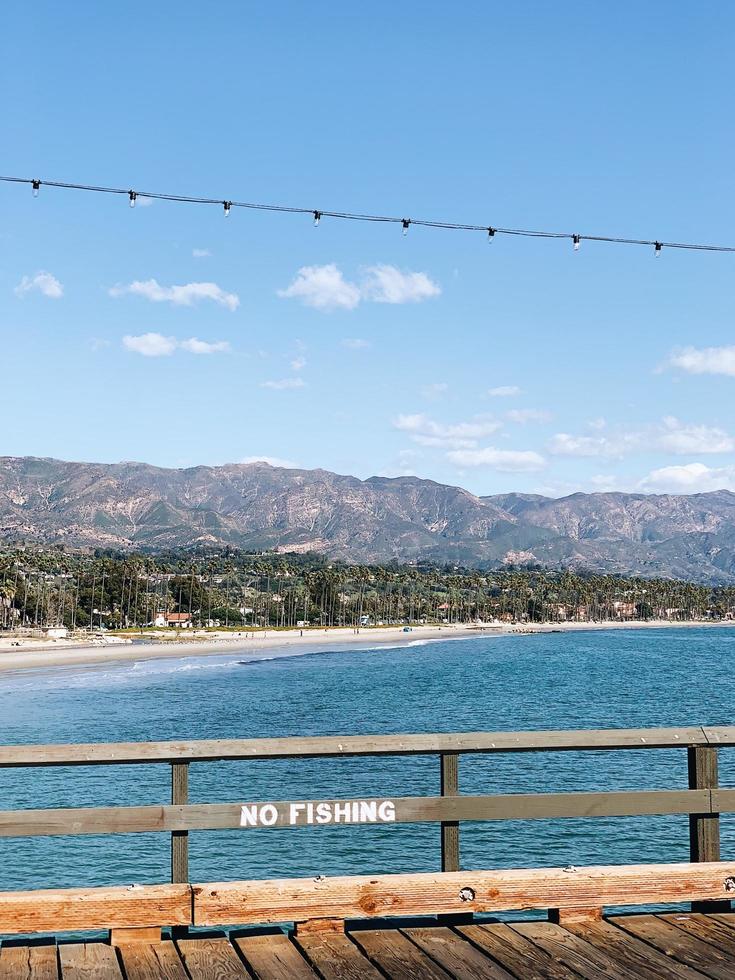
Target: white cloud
690, 478
201, 253
42, 282
185, 295
355, 343
298, 364
504, 391
284, 384
504, 460
196, 346
670, 436
704, 360
387, 284
459, 435
523, 415
156, 345
324, 287
286, 464
150, 344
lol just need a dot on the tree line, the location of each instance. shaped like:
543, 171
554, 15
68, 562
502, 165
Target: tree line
233, 589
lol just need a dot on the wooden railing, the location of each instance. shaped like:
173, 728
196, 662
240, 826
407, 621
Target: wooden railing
703, 801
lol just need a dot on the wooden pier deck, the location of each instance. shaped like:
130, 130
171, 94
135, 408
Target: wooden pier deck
675, 946
433, 925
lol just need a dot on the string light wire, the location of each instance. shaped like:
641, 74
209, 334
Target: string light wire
489, 230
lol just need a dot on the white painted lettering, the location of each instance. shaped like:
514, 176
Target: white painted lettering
268, 814
293, 812
341, 812
249, 816
387, 811
368, 811
323, 813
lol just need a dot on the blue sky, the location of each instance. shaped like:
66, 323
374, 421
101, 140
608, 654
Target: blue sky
173, 335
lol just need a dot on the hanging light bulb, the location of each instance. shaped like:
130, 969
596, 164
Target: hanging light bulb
133, 197
405, 222
317, 218
36, 187
657, 246
490, 235
227, 205
576, 242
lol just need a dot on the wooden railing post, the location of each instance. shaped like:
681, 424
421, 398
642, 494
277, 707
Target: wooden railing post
450, 828
179, 838
704, 828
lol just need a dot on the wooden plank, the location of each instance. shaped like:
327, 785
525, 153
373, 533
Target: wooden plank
63, 909
678, 944
135, 934
561, 917
397, 956
457, 955
517, 954
336, 957
106, 753
361, 896
641, 959
273, 957
450, 828
704, 828
576, 953
88, 961
713, 929
719, 734
314, 927
227, 816
28, 963
179, 838
211, 959
152, 961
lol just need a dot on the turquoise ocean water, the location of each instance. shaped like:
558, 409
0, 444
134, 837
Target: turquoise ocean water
562, 680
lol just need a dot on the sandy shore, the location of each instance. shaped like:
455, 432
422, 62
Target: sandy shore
34, 654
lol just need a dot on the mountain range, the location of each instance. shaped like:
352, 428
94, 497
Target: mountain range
257, 506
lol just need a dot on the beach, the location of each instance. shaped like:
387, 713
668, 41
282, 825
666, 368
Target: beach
33, 653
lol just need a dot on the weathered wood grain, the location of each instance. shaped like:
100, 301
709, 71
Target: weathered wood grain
714, 929
449, 781
88, 961
104, 753
60, 910
211, 959
684, 947
336, 957
28, 963
364, 896
564, 947
152, 961
273, 957
457, 955
641, 959
437, 809
517, 954
397, 956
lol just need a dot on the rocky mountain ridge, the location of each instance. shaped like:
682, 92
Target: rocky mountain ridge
258, 506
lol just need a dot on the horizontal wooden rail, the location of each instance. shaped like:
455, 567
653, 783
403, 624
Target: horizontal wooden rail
64, 909
459, 892
361, 897
357, 812
115, 753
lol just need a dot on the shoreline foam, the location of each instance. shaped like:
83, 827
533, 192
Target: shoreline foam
15, 658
